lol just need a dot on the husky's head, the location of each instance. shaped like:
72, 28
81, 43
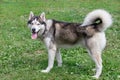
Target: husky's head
36, 24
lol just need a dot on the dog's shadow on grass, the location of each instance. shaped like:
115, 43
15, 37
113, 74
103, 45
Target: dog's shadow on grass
68, 68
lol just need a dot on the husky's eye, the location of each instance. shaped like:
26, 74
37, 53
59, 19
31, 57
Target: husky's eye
38, 24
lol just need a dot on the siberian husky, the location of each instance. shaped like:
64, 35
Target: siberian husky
58, 34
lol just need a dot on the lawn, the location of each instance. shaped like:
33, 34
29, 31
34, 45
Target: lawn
22, 58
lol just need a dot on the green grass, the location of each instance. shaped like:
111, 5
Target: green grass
22, 58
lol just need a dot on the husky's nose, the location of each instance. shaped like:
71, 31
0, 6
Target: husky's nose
33, 30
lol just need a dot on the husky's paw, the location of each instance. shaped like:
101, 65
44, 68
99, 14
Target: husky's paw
44, 71
95, 76
60, 65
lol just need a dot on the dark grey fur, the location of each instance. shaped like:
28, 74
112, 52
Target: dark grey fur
70, 33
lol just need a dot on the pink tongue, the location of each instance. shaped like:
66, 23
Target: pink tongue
34, 36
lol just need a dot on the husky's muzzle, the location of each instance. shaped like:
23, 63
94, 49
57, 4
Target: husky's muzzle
34, 33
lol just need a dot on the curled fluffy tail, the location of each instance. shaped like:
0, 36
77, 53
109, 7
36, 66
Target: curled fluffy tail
100, 18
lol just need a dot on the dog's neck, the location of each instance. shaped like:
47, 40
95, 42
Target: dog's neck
44, 32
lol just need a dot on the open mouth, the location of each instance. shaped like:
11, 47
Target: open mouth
34, 35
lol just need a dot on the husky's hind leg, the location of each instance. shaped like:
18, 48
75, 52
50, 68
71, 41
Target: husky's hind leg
96, 56
95, 46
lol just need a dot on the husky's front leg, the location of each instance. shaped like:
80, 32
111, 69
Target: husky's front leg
51, 56
59, 58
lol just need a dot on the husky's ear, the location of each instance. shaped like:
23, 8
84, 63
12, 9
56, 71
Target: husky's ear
42, 16
31, 15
